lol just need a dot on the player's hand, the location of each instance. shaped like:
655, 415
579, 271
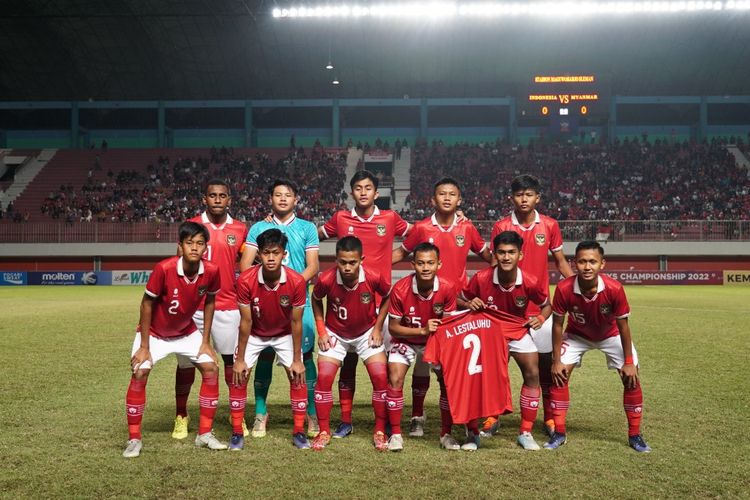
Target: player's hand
140, 356
559, 373
376, 338
239, 372
324, 342
269, 218
297, 371
476, 304
534, 323
208, 350
629, 374
432, 326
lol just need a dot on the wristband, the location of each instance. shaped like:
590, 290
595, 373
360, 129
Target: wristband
629, 360
320, 326
541, 318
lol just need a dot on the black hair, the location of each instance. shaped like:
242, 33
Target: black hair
524, 182
218, 182
590, 245
425, 246
447, 180
362, 175
271, 238
191, 230
283, 182
349, 244
507, 238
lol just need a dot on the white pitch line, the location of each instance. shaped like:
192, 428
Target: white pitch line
741, 311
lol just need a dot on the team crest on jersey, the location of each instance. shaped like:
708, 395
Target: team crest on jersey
521, 301
438, 308
231, 240
365, 297
284, 301
460, 240
605, 309
380, 229
540, 239
202, 290
351, 230
337, 300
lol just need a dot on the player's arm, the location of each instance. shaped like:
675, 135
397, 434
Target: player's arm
559, 371
562, 263
376, 337
537, 321
297, 369
399, 330
248, 257
324, 342
209, 306
240, 370
312, 264
398, 255
629, 371
143, 353
486, 254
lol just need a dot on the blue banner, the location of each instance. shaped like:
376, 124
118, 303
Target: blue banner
11, 278
70, 278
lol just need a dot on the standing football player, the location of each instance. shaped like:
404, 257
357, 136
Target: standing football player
541, 234
301, 256
271, 297
227, 237
376, 229
351, 324
174, 291
598, 312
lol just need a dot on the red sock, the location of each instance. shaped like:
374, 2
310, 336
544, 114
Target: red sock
473, 427
347, 384
323, 395
632, 401
183, 382
298, 396
446, 420
379, 377
237, 402
135, 402
395, 400
419, 387
209, 401
529, 407
228, 374
560, 402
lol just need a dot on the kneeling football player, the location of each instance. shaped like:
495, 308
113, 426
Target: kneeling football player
351, 325
271, 298
174, 291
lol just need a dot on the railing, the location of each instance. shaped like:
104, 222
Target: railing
152, 232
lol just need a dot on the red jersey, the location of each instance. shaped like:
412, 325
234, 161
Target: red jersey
224, 246
271, 307
542, 236
350, 312
515, 300
376, 233
592, 318
454, 243
472, 350
177, 297
411, 309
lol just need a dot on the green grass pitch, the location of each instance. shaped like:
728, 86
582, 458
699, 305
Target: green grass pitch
62, 423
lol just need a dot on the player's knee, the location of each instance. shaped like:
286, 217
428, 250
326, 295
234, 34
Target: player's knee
208, 369
395, 377
141, 374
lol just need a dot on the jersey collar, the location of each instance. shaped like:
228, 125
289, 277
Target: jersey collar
514, 221
435, 287
374, 213
181, 270
599, 286
282, 279
434, 221
519, 279
278, 221
361, 279
206, 220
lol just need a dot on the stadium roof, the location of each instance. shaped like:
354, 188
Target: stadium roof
234, 49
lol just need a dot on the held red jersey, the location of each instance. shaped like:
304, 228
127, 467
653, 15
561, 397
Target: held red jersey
350, 312
517, 299
376, 233
271, 307
412, 309
472, 349
592, 318
541, 237
177, 296
454, 243
224, 246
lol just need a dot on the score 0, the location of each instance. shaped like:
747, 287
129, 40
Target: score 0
545, 110
584, 110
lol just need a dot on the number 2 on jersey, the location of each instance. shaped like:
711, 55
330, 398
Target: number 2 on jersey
473, 342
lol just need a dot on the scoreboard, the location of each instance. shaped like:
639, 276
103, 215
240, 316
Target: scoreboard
571, 95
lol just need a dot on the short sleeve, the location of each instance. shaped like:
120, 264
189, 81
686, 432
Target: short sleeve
621, 308
476, 240
383, 287
538, 295
321, 288
214, 285
243, 291
555, 236
495, 231
396, 306
252, 236
155, 284
312, 242
559, 303
471, 290
450, 301
300, 295
412, 239
330, 228
401, 225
